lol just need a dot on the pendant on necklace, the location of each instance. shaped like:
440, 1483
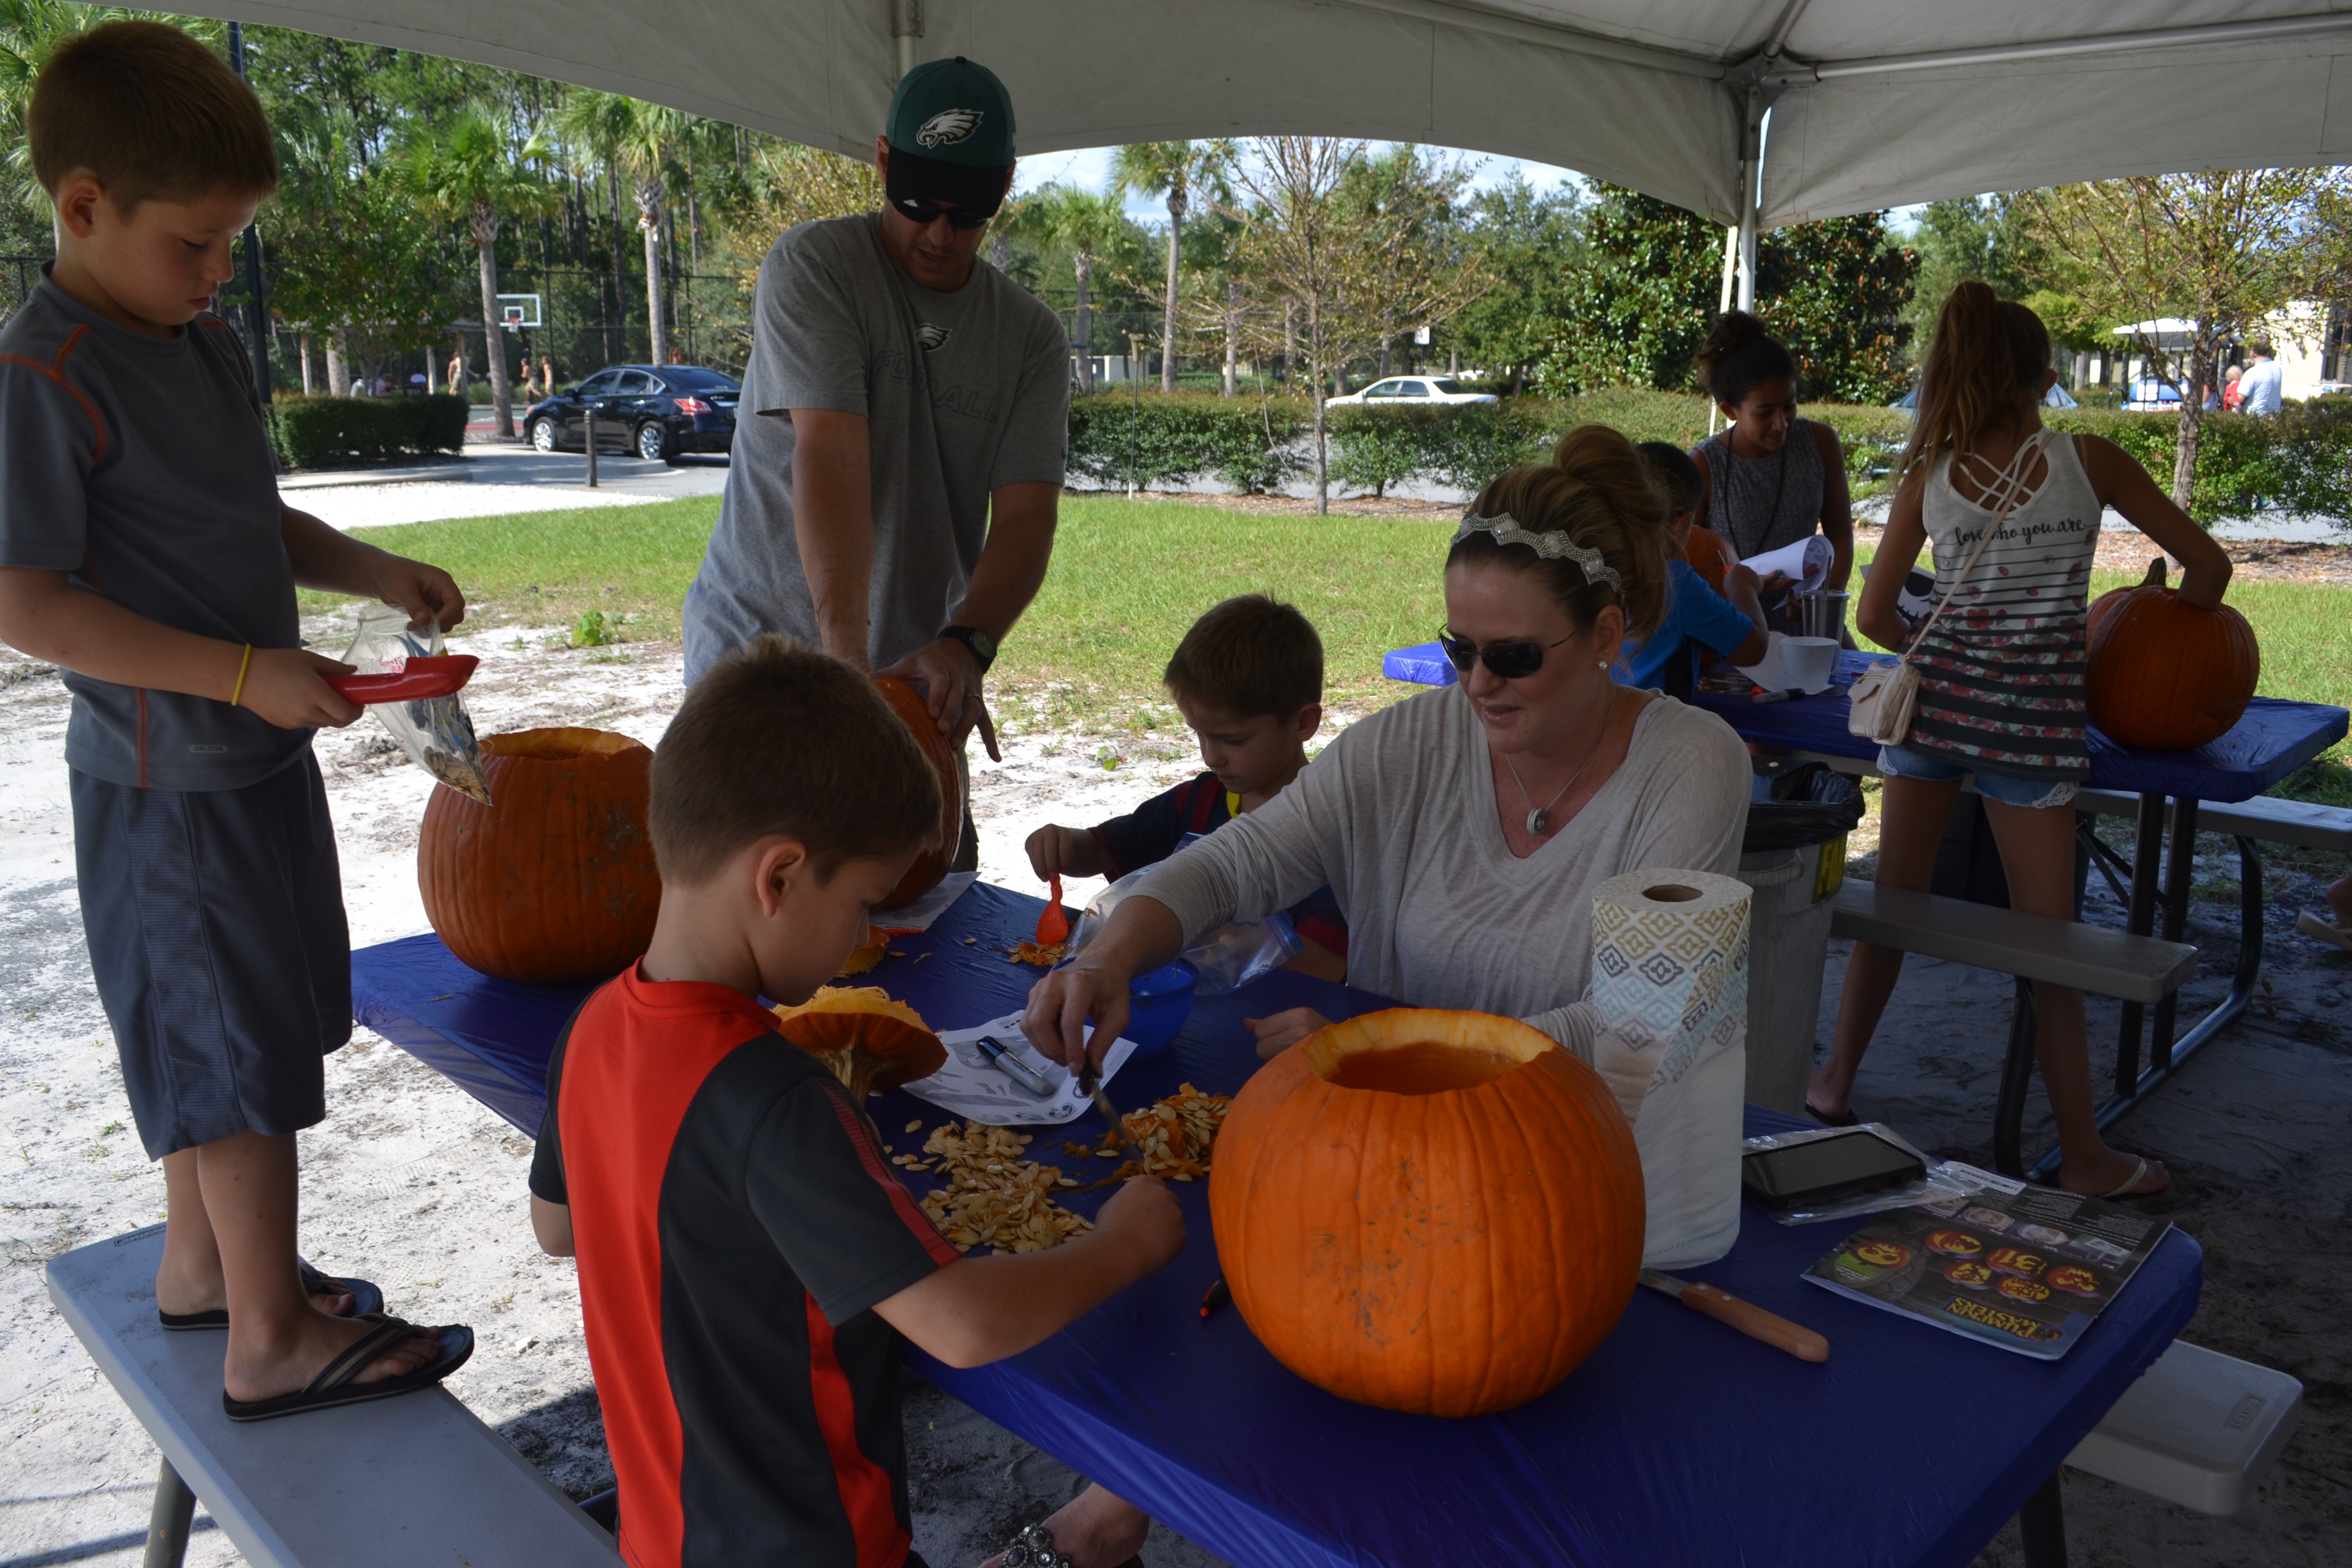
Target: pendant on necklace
1537, 820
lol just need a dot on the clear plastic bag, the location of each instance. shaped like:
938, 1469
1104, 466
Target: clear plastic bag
436, 732
1228, 958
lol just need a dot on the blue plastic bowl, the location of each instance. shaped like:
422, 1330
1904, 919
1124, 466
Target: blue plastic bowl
1156, 1006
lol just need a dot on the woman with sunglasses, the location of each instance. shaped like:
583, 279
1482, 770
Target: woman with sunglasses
1465, 830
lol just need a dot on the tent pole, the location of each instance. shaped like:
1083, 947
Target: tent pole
906, 26
1751, 191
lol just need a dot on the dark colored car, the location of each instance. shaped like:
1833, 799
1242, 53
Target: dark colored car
654, 411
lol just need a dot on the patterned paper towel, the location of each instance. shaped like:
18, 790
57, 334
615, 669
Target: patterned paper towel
1670, 982
1670, 961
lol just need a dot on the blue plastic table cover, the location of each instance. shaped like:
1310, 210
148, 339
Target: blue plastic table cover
2273, 739
1677, 1441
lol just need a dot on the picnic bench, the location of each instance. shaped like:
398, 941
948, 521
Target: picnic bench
2028, 948
412, 1482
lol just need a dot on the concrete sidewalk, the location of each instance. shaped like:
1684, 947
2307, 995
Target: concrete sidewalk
496, 479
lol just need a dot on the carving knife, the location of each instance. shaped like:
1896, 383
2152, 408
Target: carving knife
1091, 1087
1747, 1318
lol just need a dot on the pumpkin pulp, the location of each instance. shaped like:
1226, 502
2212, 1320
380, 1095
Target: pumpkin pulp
1421, 1066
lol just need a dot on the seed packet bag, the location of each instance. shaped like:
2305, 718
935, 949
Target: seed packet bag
436, 732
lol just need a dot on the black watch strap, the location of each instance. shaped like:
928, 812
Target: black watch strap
982, 646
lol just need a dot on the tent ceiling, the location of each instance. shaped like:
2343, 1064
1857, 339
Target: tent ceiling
1876, 102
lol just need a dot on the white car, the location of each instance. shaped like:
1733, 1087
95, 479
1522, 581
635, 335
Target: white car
1413, 391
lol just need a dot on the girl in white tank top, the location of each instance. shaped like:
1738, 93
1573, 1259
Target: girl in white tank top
2002, 677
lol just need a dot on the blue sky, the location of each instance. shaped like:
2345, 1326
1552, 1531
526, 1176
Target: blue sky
1089, 168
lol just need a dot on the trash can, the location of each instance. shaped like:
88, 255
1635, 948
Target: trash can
1794, 858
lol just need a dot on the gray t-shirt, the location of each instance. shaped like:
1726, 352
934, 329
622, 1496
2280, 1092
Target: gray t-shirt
1397, 817
962, 393
141, 467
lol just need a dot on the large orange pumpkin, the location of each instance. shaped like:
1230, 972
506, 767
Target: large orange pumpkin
932, 864
2164, 674
554, 880
871, 1042
1428, 1211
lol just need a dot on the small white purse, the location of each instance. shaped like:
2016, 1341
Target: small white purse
1881, 704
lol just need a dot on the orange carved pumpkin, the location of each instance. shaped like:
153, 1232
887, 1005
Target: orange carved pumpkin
1428, 1211
871, 1042
932, 864
2164, 674
554, 880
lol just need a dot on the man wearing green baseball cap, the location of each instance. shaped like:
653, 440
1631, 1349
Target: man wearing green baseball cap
893, 492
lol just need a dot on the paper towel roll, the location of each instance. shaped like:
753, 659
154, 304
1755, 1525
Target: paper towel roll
1670, 982
1670, 960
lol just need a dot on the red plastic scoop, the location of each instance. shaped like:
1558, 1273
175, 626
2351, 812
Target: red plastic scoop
1053, 925
440, 675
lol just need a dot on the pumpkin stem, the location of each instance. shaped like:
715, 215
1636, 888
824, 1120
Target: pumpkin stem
2154, 578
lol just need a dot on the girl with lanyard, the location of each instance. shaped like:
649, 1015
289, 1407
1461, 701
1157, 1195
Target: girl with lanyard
2001, 689
1770, 478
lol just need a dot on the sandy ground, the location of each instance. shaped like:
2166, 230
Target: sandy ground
412, 1182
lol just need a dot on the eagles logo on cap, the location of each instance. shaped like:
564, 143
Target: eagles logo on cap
948, 127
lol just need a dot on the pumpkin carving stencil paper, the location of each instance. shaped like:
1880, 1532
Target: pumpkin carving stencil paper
970, 1085
2027, 1268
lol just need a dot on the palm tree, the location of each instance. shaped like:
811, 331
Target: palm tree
1174, 170
634, 142
465, 171
590, 125
1089, 225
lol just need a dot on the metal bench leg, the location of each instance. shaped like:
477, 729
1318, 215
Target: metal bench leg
167, 1523
2179, 875
2016, 1081
2042, 1523
2147, 867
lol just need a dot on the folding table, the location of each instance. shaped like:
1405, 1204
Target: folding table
1677, 1441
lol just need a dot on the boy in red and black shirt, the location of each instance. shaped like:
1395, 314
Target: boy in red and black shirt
747, 1258
1248, 678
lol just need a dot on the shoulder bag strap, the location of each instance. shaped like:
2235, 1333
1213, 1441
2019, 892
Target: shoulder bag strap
2007, 485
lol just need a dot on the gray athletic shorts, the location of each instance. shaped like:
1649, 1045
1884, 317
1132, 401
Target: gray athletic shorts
216, 932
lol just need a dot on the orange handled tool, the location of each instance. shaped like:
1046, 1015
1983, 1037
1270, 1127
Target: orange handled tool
1053, 925
1747, 1318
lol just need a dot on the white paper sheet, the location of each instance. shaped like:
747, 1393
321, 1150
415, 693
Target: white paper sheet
970, 1084
1806, 562
1778, 669
918, 915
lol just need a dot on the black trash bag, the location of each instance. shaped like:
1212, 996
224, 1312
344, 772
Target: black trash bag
1800, 804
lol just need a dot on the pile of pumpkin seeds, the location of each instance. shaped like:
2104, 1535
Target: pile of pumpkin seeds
989, 1196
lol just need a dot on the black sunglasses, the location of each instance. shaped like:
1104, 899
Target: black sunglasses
928, 213
1506, 660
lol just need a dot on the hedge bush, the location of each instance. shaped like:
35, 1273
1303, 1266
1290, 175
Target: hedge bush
331, 432
2301, 460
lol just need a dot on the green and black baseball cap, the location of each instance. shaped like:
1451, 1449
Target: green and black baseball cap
950, 134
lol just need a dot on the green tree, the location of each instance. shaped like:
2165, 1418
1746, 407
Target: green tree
2218, 250
467, 170
352, 261
1089, 226
1534, 244
1834, 290
638, 142
1174, 170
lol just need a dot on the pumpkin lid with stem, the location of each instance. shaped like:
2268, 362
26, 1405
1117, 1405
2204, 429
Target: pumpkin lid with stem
870, 1041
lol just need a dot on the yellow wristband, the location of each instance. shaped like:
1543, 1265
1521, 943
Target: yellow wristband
242, 666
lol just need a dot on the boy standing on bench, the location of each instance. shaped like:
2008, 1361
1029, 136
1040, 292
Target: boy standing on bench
143, 550
747, 1257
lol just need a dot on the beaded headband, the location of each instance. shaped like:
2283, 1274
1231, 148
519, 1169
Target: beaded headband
1553, 546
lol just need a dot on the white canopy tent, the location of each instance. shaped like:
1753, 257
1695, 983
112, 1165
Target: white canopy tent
1873, 103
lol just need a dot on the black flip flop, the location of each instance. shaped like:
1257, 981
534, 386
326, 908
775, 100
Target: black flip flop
333, 1385
1845, 1117
366, 1301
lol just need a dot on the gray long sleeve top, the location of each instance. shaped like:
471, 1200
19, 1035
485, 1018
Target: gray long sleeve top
1397, 816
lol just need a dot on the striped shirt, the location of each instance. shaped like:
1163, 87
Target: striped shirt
2002, 677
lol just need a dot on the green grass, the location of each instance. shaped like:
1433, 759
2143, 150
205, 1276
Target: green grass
1129, 577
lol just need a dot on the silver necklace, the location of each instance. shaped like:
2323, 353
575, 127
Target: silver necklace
1540, 817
